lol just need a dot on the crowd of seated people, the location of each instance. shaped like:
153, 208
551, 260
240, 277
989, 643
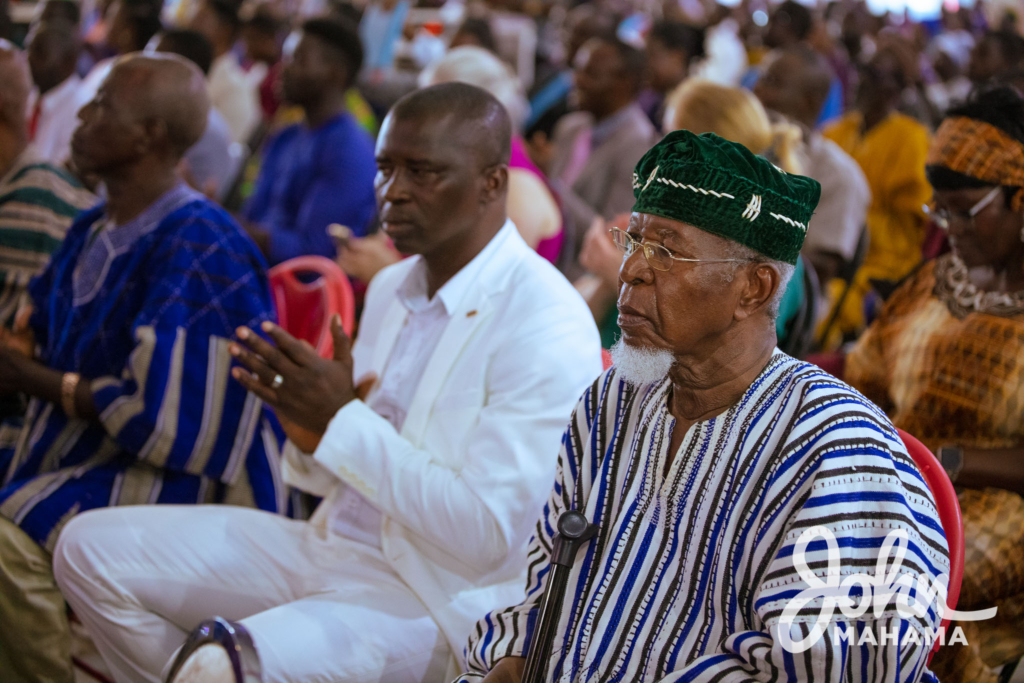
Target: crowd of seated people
631, 279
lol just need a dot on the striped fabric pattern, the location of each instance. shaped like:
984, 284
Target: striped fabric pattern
692, 568
151, 336
38, 202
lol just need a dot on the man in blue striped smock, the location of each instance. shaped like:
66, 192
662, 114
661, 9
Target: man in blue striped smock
132, 402
705, 454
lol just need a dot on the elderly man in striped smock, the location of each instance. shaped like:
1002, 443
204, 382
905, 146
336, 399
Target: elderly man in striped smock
705, 454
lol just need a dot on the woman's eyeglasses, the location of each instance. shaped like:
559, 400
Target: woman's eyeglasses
943, 217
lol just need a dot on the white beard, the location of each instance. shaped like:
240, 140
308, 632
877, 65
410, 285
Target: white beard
641, 365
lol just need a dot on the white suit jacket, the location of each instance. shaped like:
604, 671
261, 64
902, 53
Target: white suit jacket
462, 486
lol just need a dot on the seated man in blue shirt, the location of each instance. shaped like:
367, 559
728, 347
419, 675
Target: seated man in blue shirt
321, 171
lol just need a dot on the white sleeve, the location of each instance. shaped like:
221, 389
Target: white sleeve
486, 508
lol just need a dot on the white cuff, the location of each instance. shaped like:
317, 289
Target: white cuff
350, 447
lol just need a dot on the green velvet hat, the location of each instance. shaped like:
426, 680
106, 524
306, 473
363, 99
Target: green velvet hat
723, 188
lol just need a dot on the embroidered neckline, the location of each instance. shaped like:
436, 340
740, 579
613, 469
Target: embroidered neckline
954, 288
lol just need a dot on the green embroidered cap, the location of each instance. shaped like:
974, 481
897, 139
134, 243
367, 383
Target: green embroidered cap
723, 188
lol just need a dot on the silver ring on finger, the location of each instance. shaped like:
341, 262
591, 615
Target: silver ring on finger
278, 381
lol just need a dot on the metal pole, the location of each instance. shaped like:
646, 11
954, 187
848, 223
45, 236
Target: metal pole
573, 531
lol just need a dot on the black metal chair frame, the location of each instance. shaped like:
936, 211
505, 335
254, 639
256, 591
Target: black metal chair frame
849, 272
1008, 670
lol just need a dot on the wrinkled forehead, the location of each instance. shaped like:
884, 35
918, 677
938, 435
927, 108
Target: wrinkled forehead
674, 233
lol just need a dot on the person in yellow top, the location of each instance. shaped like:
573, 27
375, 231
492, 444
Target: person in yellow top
891, 149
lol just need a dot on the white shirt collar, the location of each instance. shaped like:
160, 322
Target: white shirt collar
413, 291
225, 65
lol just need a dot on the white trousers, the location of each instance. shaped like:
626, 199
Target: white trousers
141, 578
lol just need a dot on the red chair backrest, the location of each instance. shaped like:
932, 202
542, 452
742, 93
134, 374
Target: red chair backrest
304, 309
606, 358
949, 514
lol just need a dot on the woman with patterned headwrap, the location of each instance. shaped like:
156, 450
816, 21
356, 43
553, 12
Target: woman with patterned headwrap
945, 359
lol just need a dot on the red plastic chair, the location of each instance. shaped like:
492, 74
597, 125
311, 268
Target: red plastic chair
606, 358
949, 515
304, 309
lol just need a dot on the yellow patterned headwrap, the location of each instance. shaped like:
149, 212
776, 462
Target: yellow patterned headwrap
980, 150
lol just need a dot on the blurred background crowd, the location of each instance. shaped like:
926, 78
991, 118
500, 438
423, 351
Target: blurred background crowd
847, 92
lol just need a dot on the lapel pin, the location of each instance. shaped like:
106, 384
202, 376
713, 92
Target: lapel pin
471, 313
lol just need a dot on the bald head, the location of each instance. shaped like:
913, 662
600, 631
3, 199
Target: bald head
165, 87
15, 85
479, 121
796, 84
150, 109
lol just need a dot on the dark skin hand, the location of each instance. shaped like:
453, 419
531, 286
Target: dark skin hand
997, 468
507, 670
314, 388
21, 373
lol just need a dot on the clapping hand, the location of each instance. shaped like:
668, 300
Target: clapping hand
599, 255
305, 390
507, 670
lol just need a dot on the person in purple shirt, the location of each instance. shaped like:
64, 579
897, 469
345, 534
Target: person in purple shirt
321, 171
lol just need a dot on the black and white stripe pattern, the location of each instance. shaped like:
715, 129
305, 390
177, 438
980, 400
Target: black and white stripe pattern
690, 572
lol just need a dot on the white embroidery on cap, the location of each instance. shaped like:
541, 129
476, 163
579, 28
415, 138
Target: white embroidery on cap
790, 221
753, 209
651, 177
701, 190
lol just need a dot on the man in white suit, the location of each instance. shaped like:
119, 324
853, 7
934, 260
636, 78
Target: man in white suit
476, 350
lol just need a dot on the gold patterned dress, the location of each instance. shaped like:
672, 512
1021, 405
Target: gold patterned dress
946, 362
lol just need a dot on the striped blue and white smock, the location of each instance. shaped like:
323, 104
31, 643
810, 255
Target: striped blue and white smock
691, 569
144, 312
